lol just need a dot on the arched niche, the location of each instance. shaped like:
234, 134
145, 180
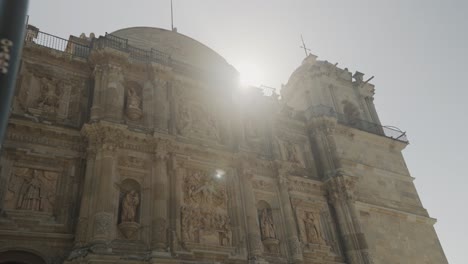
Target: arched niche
20, 257
128, 219
351, 112
268, 229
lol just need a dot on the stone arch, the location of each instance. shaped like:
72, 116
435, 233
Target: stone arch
20, 257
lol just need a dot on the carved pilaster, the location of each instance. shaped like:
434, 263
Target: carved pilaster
98, 82
291, 230
104, 140
253, 229
341, 193
322, 131
160, 197
113, 93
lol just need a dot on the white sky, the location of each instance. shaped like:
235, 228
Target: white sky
417, 51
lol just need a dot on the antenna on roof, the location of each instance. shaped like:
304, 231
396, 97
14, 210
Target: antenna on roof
172, 18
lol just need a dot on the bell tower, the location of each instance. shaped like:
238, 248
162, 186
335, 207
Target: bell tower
368, 185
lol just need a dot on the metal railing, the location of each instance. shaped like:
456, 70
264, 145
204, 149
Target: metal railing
74, 47
387, 131
59, 44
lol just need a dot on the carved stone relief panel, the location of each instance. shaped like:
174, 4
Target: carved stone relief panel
31, 189
291, 153
198, 116
132, 162
204, 214
198, 120
50, 94
316, 226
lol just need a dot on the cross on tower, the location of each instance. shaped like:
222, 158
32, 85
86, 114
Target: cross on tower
304, 46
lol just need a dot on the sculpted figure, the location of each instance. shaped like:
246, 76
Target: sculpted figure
291, 153
134, 99
30, 193
266, 224
225, 232
49, 99
311, 229
129, 206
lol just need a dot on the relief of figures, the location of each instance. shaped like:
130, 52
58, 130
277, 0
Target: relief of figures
31, 189
204, 217
312, 229
50, 95
291, 152
196, 119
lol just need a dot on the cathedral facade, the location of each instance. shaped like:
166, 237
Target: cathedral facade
140, 147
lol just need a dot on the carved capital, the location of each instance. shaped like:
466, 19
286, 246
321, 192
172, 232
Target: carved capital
161, 150
102, 225
341, 188
103, 137
98, 69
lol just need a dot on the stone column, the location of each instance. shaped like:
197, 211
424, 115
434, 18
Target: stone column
254, 240
103, 217
98, 78
340, 189
291, 230
322, 129
106, 141
160, 199
113, 93
82, 227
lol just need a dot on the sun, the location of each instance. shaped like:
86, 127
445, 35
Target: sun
250, 74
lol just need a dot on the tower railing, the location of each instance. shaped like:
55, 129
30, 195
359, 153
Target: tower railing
57, 43
386, 131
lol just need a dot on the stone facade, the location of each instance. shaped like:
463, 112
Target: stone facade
139, 147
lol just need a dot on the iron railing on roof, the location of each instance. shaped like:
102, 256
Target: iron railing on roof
57, 43
387, 131
81, 47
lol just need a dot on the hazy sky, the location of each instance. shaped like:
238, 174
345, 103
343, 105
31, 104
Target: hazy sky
417, 51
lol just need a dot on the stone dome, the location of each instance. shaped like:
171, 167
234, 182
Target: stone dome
178, 46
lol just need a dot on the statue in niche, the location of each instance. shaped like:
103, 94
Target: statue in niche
130, 204
50, 96
134, 99
134, 111
311, 229
266, 224
291, 152
30, 193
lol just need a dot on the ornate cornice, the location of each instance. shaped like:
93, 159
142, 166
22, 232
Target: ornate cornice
23, 131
